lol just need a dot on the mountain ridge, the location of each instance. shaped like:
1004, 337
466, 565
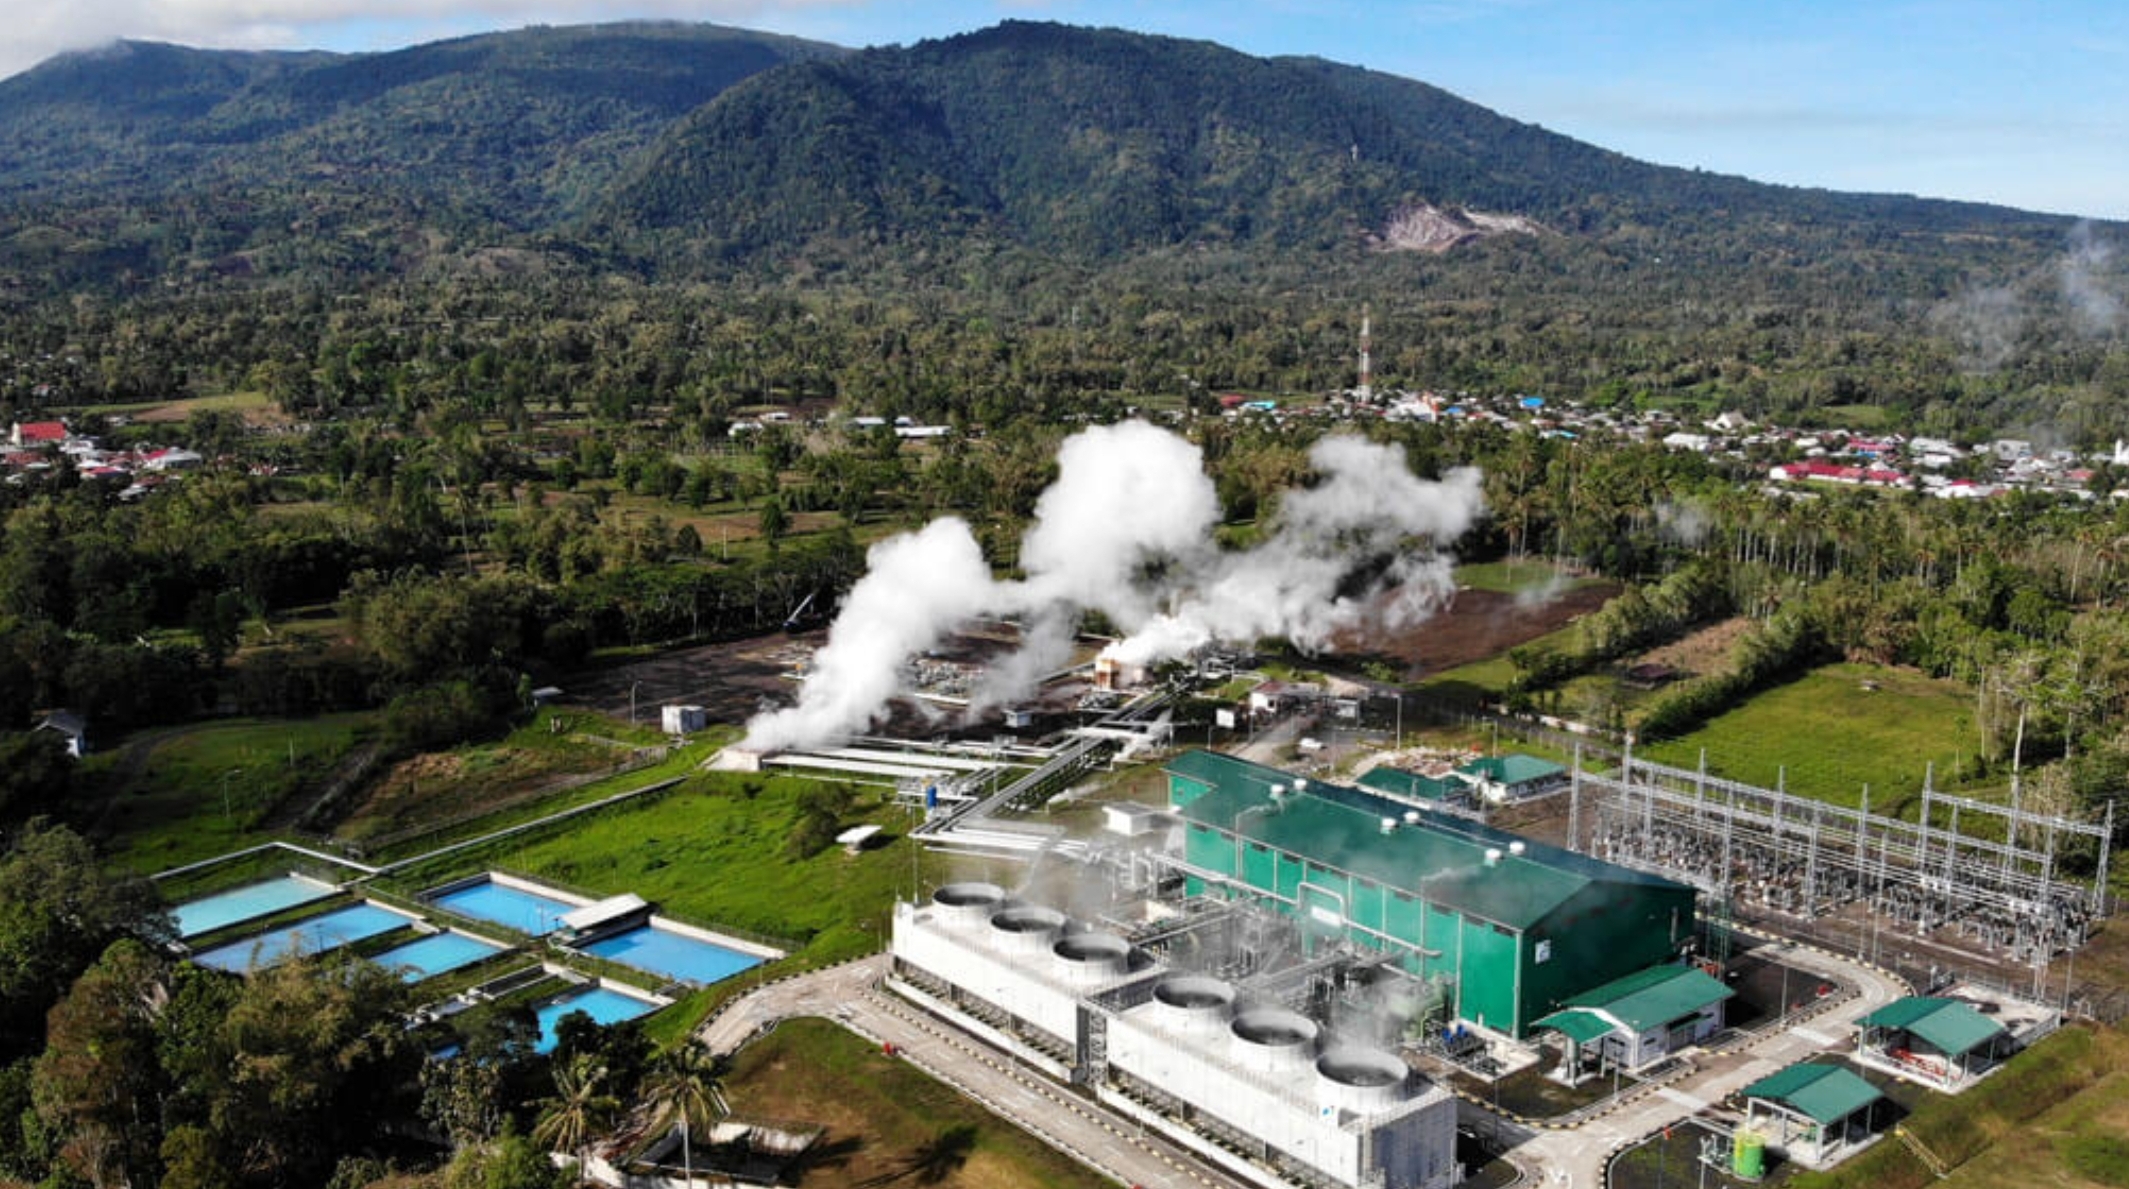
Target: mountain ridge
689, 148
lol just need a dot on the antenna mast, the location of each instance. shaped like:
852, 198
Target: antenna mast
1366, 391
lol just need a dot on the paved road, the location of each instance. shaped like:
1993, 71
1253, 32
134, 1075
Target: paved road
1094, 1136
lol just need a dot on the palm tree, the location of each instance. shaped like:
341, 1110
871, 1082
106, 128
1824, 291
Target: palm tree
580, 1110
686, 1086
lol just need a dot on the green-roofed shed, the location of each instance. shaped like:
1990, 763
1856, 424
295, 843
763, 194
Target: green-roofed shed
1413, 788
1513, 777
1646, 1015
1934, 1040
1811, 1112
1577, 1025
1518, 927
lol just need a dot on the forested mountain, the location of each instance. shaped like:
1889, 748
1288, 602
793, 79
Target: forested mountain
150, 157
1028, 183
1090, 143
682, 145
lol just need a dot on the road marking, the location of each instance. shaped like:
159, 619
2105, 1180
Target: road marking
1814, 1036
1681, 1098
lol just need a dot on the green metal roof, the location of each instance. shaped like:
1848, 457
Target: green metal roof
1656, 996
1441, 858
1217, 770
1576, 1024
1825, 1094
1512, 769
1947, 1025
1409, 785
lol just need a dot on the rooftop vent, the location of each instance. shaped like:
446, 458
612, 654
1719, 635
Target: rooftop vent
1361, 1080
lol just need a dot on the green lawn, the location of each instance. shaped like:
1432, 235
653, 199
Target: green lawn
2054, 1112
172, 797
712, 852
1514, 577
1827, 734
227, 401
887, 1122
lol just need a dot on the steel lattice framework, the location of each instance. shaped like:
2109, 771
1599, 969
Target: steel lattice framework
1989, 874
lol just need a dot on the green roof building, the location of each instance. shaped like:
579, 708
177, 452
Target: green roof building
1414, 789
1811, 1113
1642, 1017
1939, 1042
1513, 777
1518, 928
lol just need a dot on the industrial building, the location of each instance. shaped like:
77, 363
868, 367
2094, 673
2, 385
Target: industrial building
1233, 1075
1513, 930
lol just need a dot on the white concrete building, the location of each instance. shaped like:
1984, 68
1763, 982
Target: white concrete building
1258, 1090
1262, 1079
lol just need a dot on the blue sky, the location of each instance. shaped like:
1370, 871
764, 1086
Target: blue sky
2025, 104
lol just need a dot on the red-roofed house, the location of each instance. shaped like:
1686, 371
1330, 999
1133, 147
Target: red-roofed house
37, 433
1796, 472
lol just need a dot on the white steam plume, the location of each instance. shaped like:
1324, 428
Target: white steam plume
1127, 530
916, 587
1130, 504
2095, 310
1298, 583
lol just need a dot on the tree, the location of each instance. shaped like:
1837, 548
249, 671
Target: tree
775, 522
36, 774
97, 1083
511, 1162
317, 1060
58, 913
474, 1099
685, 1087
580, 1111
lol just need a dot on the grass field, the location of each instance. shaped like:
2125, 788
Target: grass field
2054, 1115
1835, 730
1522, 576
887, 1122
178, 410
438, 788
713, 852
171, 797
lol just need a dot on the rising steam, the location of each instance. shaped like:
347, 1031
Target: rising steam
1127, 530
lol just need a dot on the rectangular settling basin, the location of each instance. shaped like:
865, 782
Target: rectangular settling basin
312, 935
603, 1004
249, 902
438, 953
672, 954
508, 905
